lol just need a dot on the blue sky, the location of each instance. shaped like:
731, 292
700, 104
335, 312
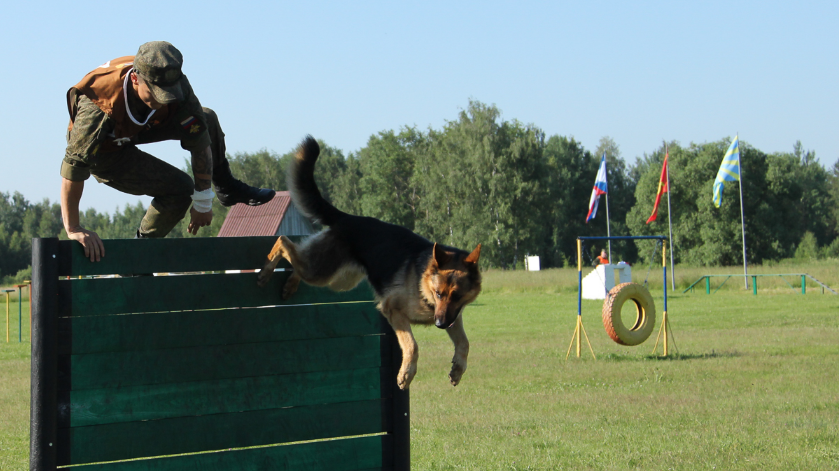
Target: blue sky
638, 72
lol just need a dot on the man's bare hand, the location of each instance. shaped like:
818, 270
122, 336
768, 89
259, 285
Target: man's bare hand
198, 220
93, 246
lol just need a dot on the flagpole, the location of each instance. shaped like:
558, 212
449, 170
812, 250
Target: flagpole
742, 217
670, 221
608, 229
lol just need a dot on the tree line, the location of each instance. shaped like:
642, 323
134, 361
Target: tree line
517, 191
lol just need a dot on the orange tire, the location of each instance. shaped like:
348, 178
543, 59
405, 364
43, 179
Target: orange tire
644, 323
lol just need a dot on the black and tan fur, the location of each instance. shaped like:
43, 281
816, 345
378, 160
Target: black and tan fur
415, 281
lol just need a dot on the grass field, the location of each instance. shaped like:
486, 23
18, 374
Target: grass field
753, 386
14, 387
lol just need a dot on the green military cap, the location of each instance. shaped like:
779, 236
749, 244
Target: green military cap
159, 64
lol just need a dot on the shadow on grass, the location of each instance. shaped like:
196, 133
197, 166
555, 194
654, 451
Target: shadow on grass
673, 357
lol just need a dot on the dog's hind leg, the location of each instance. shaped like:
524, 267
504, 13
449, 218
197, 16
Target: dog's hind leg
291, 285
283, 248
319, 261
274, 256
461, 349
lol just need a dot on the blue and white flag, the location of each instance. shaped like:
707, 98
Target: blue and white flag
729, 170
600, 188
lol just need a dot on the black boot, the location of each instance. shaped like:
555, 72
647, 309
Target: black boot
231, 191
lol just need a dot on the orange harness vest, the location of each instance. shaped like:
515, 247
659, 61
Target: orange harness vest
105, 87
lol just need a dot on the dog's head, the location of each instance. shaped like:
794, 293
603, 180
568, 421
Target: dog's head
450, 282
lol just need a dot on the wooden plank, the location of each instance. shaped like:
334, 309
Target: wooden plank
221, 431
130, 256
131, 404
124, 369
98, 334
352, 454
44, 384
92, 297
400, 426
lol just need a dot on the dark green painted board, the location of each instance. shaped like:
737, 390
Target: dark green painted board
91, 297
129, 256
352, 454
132, 404
123, 369
220, 431
119, 333
232, 365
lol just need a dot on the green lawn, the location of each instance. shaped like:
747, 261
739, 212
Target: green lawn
753, 385
14, 388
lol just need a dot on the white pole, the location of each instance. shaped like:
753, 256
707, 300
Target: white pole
608, 229
670, 220
742, 217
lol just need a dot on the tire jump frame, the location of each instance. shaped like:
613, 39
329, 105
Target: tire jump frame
580, 331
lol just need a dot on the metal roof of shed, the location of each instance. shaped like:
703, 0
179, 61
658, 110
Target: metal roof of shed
264, 220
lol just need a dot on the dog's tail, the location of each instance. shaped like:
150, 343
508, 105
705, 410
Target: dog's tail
304, 190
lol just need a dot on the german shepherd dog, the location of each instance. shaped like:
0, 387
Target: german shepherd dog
415, 281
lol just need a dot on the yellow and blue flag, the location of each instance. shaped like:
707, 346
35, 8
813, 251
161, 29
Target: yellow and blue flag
729, 170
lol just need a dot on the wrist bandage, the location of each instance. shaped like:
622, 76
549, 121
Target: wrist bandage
202, 201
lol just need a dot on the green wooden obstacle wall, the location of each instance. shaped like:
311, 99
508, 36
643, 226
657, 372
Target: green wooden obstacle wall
204, 370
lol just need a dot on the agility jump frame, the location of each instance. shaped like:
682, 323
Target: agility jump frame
579, 331
206, 365
754, 277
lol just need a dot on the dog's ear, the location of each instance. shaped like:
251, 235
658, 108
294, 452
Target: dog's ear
474, 256
440, 256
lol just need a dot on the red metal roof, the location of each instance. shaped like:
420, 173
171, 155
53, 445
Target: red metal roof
244, 221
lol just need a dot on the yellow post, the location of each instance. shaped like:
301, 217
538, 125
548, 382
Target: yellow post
579, 256
580, 294
579, 330
663, 333
664, 330
571, 345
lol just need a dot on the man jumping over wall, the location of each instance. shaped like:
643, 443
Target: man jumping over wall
137, 100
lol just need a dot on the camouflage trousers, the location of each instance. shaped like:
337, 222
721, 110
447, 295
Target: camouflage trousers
132, 171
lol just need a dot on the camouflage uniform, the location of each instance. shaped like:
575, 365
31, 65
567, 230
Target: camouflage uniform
93, 148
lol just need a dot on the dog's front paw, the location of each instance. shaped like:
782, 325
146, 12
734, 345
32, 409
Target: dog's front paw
457, 372
405, 376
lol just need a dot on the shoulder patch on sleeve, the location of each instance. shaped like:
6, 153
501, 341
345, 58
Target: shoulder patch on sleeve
191, 125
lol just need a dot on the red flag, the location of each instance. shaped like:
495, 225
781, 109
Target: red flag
662, 188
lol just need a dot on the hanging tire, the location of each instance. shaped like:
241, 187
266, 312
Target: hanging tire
644, 322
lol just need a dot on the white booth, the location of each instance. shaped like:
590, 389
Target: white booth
596, 285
